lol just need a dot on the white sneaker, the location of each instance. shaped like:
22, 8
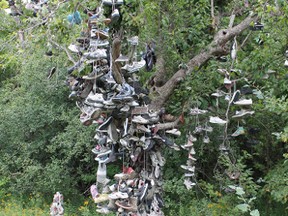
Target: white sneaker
286, 63
111, 2
98, 54
97, 97
190, 156
218, 93
140, 120
233, 51
217, 120
189, 184
103, 210
227, 98
192, 138
133, 103
118, 195
242, 113
136, 66
227, 81
269, 71
188, 168
134, 40
192, 151
243, 102
174, 132
223, 72
208, 128
74, 48
206, 139
197, 111
122, 58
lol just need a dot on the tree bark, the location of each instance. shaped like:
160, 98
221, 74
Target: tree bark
216, 48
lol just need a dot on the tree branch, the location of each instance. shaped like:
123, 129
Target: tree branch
215, 48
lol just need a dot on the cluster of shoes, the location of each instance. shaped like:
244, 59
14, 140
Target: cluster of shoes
190, 167
238, 99
131, 194
126, 129
56, 208
34, 5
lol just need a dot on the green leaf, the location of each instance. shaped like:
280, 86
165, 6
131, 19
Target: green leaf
255, 213
243, 207
251, 199
240, 191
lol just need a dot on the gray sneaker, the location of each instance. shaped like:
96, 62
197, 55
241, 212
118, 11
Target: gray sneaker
133, 40
242, 113
189, 184
98, 54
136, 66
126, 94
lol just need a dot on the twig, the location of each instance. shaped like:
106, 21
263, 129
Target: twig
244, 41
213, 15
232, 18
63, 48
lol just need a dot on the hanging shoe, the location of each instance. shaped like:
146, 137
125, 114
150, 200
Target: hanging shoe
188, 168
196, 111
134, 67
101, 173
98, 54
115, 15
217, 120
239, 131
111, 2
233, 49
51, 72
189, 184
206, 139
218, 93
133, 40
94, 191
174, 131
126, 94
243, 102
242, 113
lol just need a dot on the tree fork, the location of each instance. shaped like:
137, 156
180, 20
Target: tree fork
215, 48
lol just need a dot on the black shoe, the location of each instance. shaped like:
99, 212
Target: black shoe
246, 90
257, 26
52, 71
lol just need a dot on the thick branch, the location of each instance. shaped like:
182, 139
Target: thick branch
168, 125
215, 48
116, 66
